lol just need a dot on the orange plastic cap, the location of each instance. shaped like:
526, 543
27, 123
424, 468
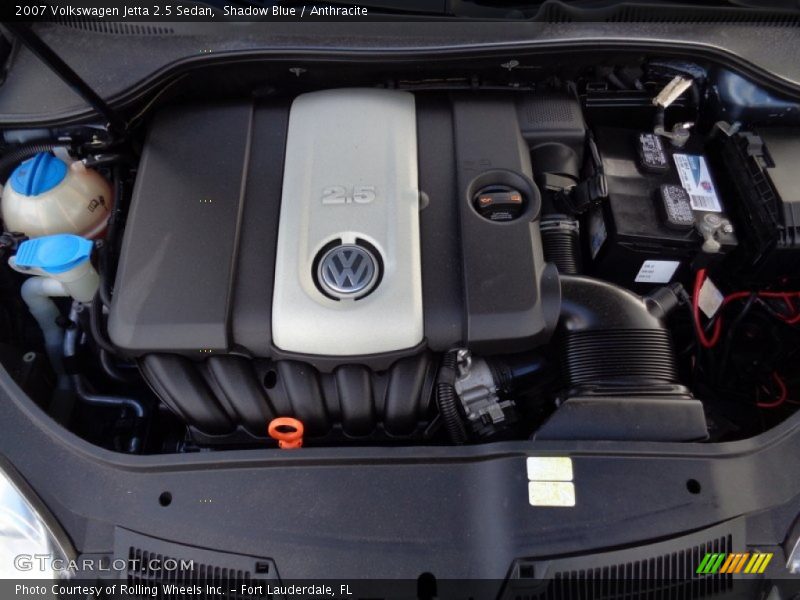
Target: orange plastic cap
288, 432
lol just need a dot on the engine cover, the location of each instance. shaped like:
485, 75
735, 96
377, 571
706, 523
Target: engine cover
340, 228
348, 272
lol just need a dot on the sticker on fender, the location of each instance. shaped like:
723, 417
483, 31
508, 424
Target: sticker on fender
550, 481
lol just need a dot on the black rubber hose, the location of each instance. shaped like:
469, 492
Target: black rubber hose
96, 325
113, 371
562, 243
104, 289
136, 406
116, 212
447, 401
16, 155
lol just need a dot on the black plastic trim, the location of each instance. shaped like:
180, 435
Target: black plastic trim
397, 512
604, 38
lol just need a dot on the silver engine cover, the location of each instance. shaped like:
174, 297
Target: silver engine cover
348, 275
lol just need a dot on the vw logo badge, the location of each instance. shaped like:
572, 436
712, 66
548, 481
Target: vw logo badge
348, 271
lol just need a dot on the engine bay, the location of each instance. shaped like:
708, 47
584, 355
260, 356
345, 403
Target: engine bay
608, 256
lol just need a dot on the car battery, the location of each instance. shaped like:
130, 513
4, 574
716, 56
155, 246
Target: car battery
647, 232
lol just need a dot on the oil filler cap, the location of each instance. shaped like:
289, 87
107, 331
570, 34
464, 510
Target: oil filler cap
499, 203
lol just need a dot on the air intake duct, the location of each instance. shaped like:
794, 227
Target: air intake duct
561, 243
612, 336
618, 364
557, 169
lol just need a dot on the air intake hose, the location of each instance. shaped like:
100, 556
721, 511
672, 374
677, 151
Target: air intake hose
619, 366
561, 241
611, 336
557, 169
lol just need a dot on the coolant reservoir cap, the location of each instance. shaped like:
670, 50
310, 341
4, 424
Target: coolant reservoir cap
54, 253
38, 175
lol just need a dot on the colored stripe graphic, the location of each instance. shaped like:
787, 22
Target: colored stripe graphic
728, 564
764, 563
701, 568
756, 558
730, 560
710, 564
714, 567
740, 563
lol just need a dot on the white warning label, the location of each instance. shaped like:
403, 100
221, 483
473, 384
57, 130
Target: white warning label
657, 271
696, 180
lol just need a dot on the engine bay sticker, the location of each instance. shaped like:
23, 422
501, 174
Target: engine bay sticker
696, 180
710, 299
657, 271
550, 481
549, 468
551, 493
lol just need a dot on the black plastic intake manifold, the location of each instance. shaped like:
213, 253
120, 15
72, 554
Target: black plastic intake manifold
231, 399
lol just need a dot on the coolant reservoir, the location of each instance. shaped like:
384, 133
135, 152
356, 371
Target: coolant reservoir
45, 196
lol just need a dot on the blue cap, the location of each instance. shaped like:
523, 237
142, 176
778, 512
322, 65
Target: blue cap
39, 174
54, 253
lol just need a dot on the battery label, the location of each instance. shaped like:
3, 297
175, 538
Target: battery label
652, 155
696, 180
657, 271
676, 207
